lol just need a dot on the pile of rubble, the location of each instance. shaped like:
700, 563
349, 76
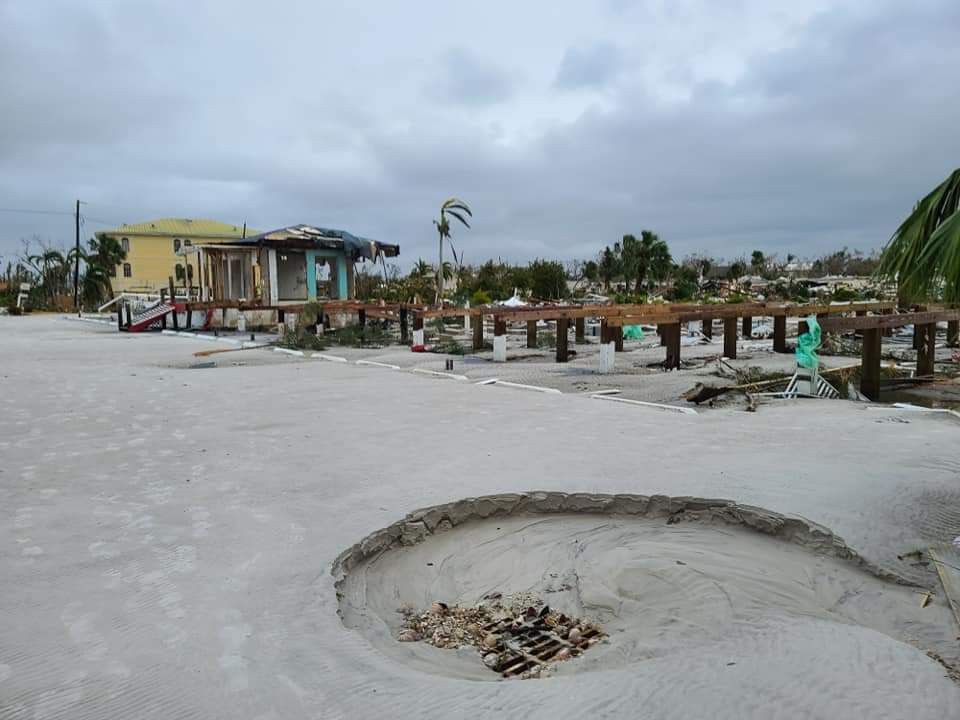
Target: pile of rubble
517, 635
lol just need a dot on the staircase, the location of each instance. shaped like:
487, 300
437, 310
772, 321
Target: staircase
149, 317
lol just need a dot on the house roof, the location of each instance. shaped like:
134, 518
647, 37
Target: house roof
310, 236
185, 227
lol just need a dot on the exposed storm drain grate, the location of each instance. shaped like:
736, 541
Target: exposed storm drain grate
517, 637
534, 644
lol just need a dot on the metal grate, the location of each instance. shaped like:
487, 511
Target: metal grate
533, 644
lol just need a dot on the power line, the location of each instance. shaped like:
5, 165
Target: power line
36, 212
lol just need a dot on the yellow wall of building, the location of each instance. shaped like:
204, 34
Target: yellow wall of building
152, 261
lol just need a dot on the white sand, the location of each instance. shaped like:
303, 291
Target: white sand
660, 590
130, 592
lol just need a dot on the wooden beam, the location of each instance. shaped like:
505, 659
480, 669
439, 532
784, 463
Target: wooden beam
730, 337
780, 333
953, 333
580, 330
404, 326
478, 332
889, 321
418, 322
870, 364
531, 333
563, 325
618, 338
499, 326
747, 330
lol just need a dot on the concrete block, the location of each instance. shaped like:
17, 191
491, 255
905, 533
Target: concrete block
608, 354
499, 348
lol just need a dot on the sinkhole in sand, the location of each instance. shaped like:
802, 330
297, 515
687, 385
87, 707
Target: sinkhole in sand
659, 575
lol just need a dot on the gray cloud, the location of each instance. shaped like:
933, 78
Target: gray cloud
590, 67
819, 137
464, 78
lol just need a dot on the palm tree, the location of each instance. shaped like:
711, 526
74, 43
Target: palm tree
655, 259
454, 208
924, 252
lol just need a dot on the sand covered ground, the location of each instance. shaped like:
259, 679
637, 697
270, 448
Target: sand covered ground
167, 536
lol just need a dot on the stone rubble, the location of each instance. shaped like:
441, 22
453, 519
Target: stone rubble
453, 626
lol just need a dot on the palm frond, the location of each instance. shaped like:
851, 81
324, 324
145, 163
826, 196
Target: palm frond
459, 217
456, 204
924, 251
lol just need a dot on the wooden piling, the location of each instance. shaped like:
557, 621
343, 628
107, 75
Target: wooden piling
418, 322
730, 337
707, 327
563, 326
618, 338
780, 333
926, 353
531, 333
917, 336
580, 330
173, 301
605, 335
404, 326
672, 333
802, 328
129, 311
953, 333
870, 364
478, 332
662, 332
120, 315
747, 330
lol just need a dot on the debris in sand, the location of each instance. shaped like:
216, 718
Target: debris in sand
517, 635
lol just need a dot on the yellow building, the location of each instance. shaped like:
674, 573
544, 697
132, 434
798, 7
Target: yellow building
155, 250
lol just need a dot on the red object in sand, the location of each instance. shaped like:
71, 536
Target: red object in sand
418, 348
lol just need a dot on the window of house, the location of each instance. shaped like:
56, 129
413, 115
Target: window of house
187, 243
113, 271
176, 244
180, 272
190, 271
125, 244
127, 271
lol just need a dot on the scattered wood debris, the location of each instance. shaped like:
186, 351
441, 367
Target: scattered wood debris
517, 636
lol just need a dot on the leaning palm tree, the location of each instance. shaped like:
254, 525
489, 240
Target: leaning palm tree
924, 253
454, 208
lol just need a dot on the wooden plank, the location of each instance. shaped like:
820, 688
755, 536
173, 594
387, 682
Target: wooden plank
580, 330
947, 559
953, 333
618, 338
747, 329
870, 364
730, 337
404, 328
707, 328
531, 333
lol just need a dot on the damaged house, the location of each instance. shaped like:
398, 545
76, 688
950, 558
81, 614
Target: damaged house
291, 265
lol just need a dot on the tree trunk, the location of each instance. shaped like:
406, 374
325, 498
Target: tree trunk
440, 273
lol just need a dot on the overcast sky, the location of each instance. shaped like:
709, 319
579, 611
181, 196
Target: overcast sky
725, 126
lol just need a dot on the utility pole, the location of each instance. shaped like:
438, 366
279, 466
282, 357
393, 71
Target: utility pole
76, 261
